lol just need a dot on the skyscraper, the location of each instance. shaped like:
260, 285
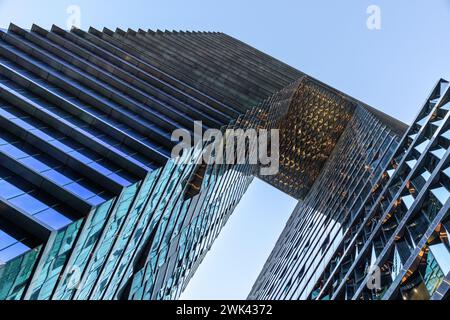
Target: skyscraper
92, 206
375, 225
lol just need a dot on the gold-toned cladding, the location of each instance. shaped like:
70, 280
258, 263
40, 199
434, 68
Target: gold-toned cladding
313, 122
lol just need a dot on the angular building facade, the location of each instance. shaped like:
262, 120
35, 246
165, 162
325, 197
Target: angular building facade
92, 206
376, 223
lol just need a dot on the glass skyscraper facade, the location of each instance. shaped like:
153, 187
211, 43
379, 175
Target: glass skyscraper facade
376, 223
92, 206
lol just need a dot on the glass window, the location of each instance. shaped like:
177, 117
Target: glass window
22, 124
411, 163
447, 133
390, 172
6, 240
442, 256
96, 200
439, 153
12, 151
100, 168
408, 201
28, 204
426, 175
421, 147
61, 146
446, 106
79, 190
441, 194
433, 274
13, 252
42, 135
53, 219
447, 172
438, 123
423, 121
8, 191
396, 265
34, 164
57, 177
122, 181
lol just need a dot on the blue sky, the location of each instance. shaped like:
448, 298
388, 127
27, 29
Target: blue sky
392, 69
